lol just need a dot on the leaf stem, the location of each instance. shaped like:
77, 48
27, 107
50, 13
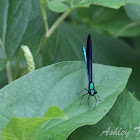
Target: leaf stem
125, 28
9, 72
52, 29
42, 6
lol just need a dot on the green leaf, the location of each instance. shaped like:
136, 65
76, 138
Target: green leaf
55, 112
57, 85
111, 3
87, 3
133, 11
3, 17
57, 6
14, 23
124, 115
82, 116
28, 128
115, 22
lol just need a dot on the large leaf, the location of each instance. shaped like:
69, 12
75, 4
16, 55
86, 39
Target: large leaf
124, 116
63, 5
58, 85
14, 23
28, 128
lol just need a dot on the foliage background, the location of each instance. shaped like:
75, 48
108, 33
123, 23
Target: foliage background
115, 30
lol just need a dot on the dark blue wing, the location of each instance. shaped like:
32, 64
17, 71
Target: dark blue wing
89, 57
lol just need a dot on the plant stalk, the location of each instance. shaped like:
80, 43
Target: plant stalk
42, 6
